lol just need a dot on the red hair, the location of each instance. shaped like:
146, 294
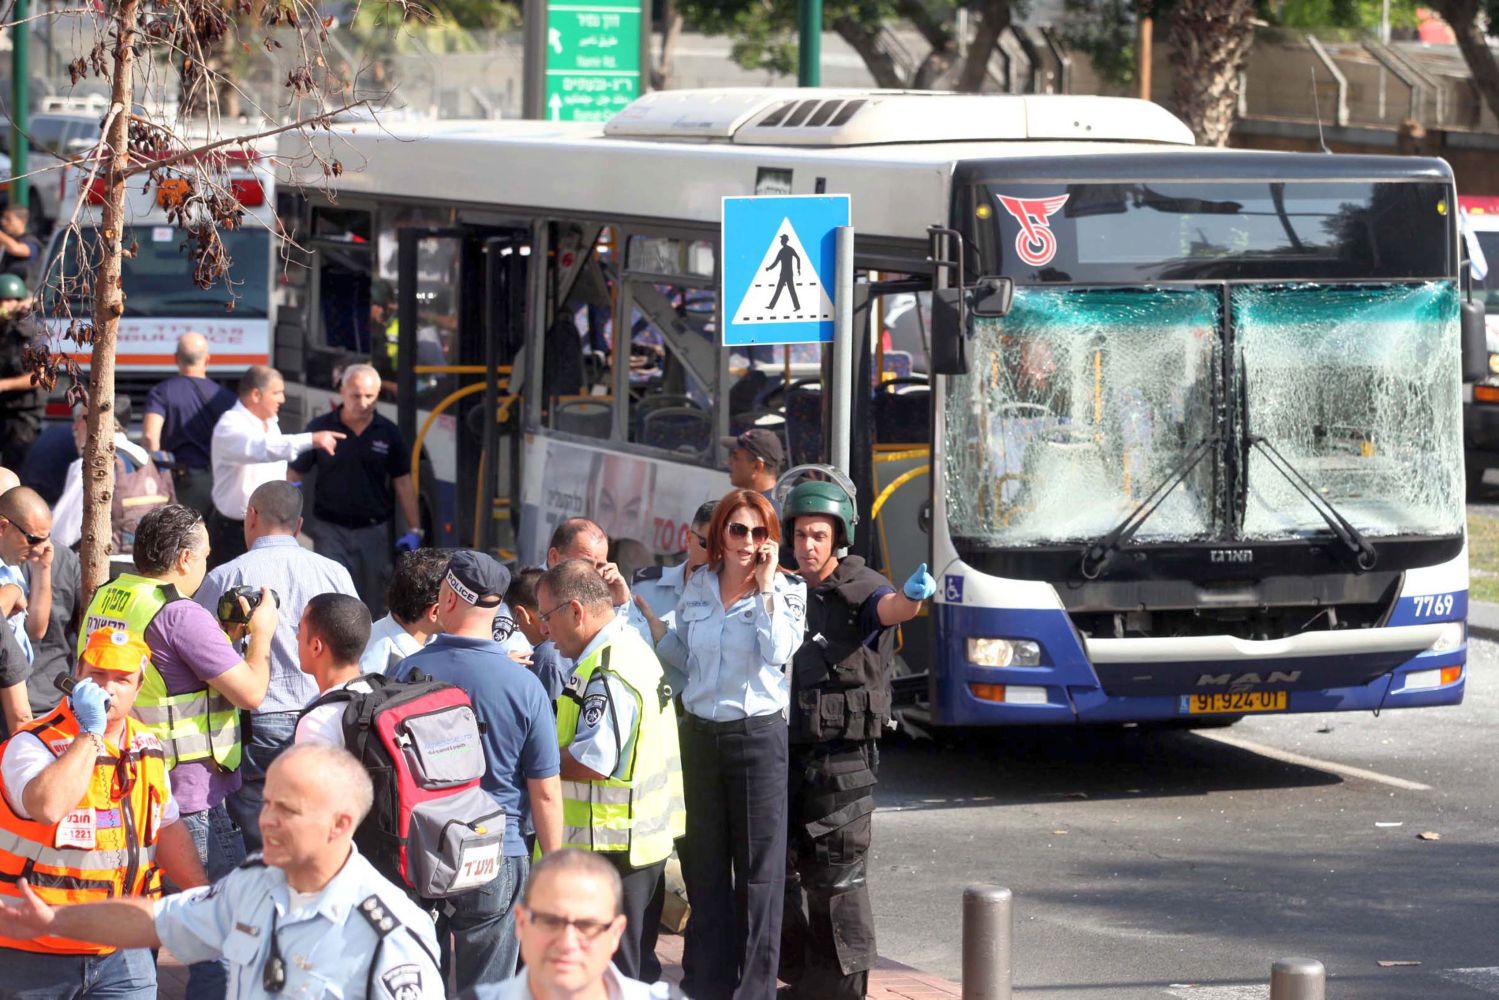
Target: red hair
733, 502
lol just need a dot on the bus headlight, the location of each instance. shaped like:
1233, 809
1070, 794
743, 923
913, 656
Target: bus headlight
1449, 638
1004, 653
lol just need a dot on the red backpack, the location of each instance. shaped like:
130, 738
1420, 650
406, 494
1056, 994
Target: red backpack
432, 828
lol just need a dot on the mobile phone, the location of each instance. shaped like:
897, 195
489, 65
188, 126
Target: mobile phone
760, 556
65, 683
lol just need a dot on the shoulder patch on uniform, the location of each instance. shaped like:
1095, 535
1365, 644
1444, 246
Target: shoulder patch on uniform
796, 604
378, 915
593, 709
647, 573
504, 627
404, 982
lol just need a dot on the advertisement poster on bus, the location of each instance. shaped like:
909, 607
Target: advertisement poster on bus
641, 501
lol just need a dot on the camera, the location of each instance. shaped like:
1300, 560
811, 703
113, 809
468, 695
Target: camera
231, 612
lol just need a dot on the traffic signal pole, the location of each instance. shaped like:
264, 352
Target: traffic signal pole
20, 103
809, 44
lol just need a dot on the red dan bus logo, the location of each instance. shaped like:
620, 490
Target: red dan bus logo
1035, 243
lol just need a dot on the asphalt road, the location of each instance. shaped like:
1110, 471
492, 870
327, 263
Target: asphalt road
1175, 864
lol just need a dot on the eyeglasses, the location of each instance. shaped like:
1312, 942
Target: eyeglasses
737, 530
701, 539
553, 611
552, 923
30, 538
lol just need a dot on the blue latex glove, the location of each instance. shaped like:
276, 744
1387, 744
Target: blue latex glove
409, 542
91, 706
921, 585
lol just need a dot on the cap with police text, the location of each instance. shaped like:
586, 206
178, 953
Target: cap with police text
116, 650
762, 444
477, 578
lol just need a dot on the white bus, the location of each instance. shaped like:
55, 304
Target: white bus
1208, 462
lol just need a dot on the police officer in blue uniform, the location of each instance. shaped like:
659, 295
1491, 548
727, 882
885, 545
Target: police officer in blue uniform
660, 587
840, 704
308, 918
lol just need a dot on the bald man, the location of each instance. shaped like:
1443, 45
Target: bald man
8, 480
179, 419
359, 485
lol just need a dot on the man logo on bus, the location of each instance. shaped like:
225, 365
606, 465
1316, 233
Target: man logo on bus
1035, 243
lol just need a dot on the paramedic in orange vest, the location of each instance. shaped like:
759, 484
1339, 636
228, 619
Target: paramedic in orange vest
87, 814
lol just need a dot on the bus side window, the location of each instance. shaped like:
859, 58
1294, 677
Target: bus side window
673, 367
578, 368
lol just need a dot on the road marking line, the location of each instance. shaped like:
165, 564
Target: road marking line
1287, 757
1486, 979
1186, 992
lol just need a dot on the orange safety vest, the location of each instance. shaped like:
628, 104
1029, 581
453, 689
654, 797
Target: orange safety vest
103, 849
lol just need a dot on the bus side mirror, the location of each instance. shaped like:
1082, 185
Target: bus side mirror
989, 298
1475, 341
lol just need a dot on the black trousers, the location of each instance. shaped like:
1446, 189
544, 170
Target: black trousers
194, 488
226, 539
734, 861
827, 936
645, 894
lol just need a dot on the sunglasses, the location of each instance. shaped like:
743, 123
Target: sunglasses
552, 923
737, 530
30, 538
701, 539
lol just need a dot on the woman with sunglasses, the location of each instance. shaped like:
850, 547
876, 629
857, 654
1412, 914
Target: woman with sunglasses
738, 623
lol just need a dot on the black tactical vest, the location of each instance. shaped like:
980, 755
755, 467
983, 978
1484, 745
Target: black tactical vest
840, 687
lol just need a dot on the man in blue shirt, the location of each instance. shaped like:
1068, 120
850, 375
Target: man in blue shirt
276, 560
179, 418
520, 748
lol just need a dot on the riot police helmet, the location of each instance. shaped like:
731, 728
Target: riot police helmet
12, 287
823, 498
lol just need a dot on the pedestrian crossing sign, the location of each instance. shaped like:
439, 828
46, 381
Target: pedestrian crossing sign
779, 258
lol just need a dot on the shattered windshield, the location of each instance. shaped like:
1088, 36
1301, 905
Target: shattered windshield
1360, 389
1078, 404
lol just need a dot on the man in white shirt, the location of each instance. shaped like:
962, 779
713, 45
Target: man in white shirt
411, 622
249, 449
333, 632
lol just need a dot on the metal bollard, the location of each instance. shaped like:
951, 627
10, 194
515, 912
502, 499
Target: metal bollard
1298, 979
987, 925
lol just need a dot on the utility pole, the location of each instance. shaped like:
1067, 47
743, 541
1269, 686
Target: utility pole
533, 59
20, 103
809, 44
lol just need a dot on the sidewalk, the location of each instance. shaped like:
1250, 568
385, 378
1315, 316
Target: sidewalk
889, 980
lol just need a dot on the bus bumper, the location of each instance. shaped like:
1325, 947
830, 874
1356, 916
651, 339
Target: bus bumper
1065, 687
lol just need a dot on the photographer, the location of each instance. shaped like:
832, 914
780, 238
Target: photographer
195, 682
275, 561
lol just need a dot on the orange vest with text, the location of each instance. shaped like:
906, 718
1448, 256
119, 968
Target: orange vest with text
105, 847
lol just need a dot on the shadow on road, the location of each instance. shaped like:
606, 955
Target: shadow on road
1016, 766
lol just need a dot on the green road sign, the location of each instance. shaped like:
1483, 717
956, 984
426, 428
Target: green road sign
593, 59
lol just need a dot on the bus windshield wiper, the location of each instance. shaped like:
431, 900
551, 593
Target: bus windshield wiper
1364, 552
1098, 551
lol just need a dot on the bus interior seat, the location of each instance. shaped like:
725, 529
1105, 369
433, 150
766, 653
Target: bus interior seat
744, 394
772, 420
804, 424
591, 417
651, 403
897, 364
687, 429
903, 411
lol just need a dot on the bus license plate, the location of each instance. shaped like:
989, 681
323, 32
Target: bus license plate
1235, 702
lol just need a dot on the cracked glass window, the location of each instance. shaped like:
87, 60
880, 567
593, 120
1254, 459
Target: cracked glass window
1079, 403
1359, 389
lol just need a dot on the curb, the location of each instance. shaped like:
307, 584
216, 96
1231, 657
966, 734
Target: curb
1483, 620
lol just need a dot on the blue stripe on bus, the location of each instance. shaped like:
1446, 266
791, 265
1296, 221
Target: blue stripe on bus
1073, 692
